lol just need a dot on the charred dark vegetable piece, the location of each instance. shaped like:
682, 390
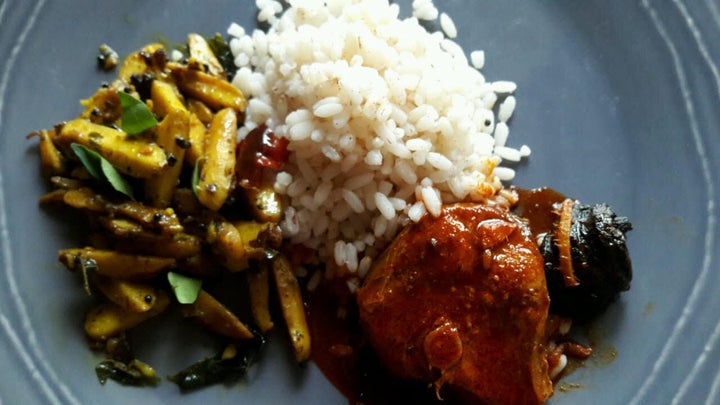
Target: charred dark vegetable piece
600, 261
227, 366
121, 366
135, 373
142, 83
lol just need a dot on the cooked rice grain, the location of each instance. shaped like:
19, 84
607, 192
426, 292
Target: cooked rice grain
507, 107
478, 59
424, 10
448, 26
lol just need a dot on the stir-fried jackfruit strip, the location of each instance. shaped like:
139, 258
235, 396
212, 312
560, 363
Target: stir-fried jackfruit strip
109, 319
216, 317
213, 91
116, 265
172, 133
196, 136
292, 306
166, 98
130, 295
264, 203
259, 288
177, 246
130, 155
137, 62
51, 160
217, 171
201, 53
235, 243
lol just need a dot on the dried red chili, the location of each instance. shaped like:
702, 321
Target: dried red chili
259, 151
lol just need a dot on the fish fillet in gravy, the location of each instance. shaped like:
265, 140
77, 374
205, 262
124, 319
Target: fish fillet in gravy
460, 301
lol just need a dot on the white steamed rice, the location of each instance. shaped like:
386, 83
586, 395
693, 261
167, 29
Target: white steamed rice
386, 120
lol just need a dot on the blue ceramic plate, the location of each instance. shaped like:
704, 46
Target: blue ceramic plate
619, 100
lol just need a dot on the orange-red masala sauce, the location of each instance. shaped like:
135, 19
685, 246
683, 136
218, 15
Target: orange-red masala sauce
345, 358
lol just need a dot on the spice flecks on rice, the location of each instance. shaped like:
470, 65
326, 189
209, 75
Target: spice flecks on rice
386, 120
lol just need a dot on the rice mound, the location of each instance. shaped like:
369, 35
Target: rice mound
386, 120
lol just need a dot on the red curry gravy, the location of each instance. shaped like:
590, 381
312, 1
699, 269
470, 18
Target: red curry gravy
346, 359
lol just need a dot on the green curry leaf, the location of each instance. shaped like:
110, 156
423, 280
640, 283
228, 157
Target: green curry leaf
221, 49
89, 158
115, 178
186, 289
101, 169
136, 117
